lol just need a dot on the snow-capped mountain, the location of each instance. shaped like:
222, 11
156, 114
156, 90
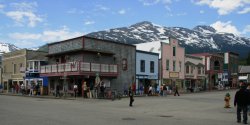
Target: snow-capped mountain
196, 40
7, 47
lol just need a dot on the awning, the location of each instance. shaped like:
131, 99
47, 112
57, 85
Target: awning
242, 77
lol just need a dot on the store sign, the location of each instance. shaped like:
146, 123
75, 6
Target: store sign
189, 76
174, 75
152, 77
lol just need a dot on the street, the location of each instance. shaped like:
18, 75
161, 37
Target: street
205, 108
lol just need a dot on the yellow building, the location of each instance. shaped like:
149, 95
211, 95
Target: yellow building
15, 64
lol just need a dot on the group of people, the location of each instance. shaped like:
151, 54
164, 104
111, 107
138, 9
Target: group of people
90, 90
30, 89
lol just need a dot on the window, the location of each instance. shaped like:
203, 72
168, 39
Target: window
192, 69
142, 65
36, 65
152, 68
180, 66
173, 65
124, 64
187, 69
14, 68
174, 49
199, 70
167, 64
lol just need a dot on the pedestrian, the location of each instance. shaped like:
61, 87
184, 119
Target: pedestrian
131, 97
58, 91
102, 89
176, 90
150, 90
31, 90
75, 90
241, 100
141, 89
248, 89
22, 89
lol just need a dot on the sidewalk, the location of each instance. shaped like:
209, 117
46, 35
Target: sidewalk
40, 96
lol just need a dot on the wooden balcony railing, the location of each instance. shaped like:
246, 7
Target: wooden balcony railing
79, 67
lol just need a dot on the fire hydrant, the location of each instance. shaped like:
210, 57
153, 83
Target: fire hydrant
227, 100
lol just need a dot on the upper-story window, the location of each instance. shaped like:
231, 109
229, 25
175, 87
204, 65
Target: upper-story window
174, 66
142, 65
152, 66
216, 65
180, 66
167, 64
14, 69
174, 51
192, 69
187, 69
199, 70
124, 64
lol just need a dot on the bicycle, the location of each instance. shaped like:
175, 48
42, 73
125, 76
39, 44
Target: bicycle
116, 95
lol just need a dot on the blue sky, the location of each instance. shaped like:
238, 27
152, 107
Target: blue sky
31, 23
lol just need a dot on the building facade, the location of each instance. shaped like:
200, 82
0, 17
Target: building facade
244, 74
15, 66
172, 63
230, 69
146, 70
90, 60
213, 68
171, 67
194, 73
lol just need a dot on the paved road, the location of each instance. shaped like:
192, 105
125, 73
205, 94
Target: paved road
189, 109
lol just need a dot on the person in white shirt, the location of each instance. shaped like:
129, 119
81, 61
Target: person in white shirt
75, 90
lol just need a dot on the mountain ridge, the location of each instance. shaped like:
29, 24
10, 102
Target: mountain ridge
200, 39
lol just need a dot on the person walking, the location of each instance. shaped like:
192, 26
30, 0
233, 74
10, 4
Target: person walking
176, 90
58, 91
75, 90
131, 97
241, 100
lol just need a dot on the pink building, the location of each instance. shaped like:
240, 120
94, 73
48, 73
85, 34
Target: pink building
172, 62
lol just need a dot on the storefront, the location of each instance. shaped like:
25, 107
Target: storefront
42, 82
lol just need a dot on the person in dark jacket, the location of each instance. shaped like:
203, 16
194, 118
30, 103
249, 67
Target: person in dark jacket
131, 96
241, 100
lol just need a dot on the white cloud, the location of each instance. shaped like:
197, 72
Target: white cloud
226, 27
224, 6
21, 17
25, 6
149, 2
72, 11
25, 36
166, 3
101, 7
1, 6
122, 11
246, 29
24, 14
89, 22
245, 10
46, 36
